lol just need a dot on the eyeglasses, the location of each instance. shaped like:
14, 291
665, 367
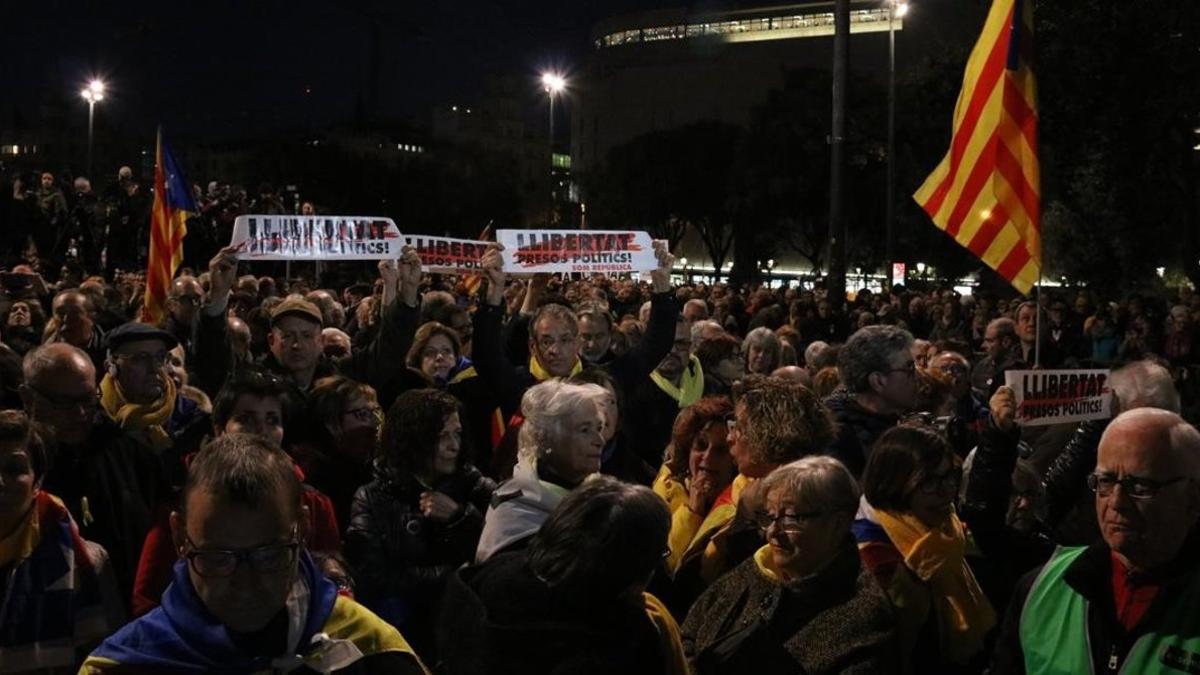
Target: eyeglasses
433, 353
188, 298
1133, 486
945, 483
365, 413
909, 369
786, 522
953, 368
86, 402
547, 343
224, 562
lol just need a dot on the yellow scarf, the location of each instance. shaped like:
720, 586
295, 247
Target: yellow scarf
541, 374
148, 418
22, 541
937, 557
669, 635
691, 384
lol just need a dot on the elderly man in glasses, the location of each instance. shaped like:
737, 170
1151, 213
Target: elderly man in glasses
109, 480
139, 394
246, 596
1127, 603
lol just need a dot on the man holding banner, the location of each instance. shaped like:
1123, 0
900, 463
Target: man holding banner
296, 353
554, 336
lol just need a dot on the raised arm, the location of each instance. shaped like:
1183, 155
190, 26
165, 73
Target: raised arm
487, 347
213, 354
383, 359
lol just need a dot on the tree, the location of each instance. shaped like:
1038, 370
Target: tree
666, 182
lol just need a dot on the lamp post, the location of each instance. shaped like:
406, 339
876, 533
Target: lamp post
896, 10
93, 94
553, 83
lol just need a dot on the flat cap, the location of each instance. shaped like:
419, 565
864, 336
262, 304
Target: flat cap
296, 305
134, 332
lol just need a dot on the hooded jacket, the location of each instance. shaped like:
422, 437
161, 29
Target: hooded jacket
519, 507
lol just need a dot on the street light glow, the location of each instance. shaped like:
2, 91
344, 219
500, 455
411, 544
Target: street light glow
553, 82
901, 9
94, 92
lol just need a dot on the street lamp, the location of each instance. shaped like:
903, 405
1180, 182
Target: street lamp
93, 94
552, 83
896, 9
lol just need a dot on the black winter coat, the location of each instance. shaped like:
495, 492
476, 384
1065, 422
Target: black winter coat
500, 619
399, 558
858, 429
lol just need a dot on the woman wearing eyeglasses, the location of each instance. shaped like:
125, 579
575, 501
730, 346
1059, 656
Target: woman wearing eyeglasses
336, 458
420, 518
911, 538
804, 602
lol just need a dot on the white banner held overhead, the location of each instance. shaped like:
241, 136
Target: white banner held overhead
444, 254
1056, 396
586, 251
316, 238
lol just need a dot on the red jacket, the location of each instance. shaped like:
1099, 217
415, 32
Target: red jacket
159, 554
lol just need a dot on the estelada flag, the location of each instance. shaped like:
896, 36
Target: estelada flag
173, 203
985, 193
474, 280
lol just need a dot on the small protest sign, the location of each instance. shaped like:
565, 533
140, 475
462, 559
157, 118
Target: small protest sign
444, 254
262, 237
586, 251
1056, 396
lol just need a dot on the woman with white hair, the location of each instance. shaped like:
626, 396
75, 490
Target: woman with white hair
763, 351
804, 602
561, 442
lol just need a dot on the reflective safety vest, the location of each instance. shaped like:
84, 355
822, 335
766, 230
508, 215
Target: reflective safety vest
1055, 638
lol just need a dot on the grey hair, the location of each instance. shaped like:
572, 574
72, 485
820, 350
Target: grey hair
698, 331
597, 310
1144, 384
763, 337
50, 356
554, 311
547, 408
817, 482
813, 350
868, 351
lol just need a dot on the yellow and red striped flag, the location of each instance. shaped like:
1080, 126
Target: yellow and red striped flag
173, 202
473, 281
985, 192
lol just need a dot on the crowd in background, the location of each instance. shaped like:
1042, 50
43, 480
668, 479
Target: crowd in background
405, 472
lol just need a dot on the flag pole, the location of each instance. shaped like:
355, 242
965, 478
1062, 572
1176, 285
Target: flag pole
1037, 324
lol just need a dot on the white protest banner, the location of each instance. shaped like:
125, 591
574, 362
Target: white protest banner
316, 238
443, 254
1057, 396
586, 251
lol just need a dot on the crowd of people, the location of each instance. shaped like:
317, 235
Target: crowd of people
425, 473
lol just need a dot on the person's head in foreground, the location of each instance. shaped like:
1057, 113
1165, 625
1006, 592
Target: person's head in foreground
246, 596
1147, 485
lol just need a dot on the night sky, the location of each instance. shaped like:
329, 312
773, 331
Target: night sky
232, 67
